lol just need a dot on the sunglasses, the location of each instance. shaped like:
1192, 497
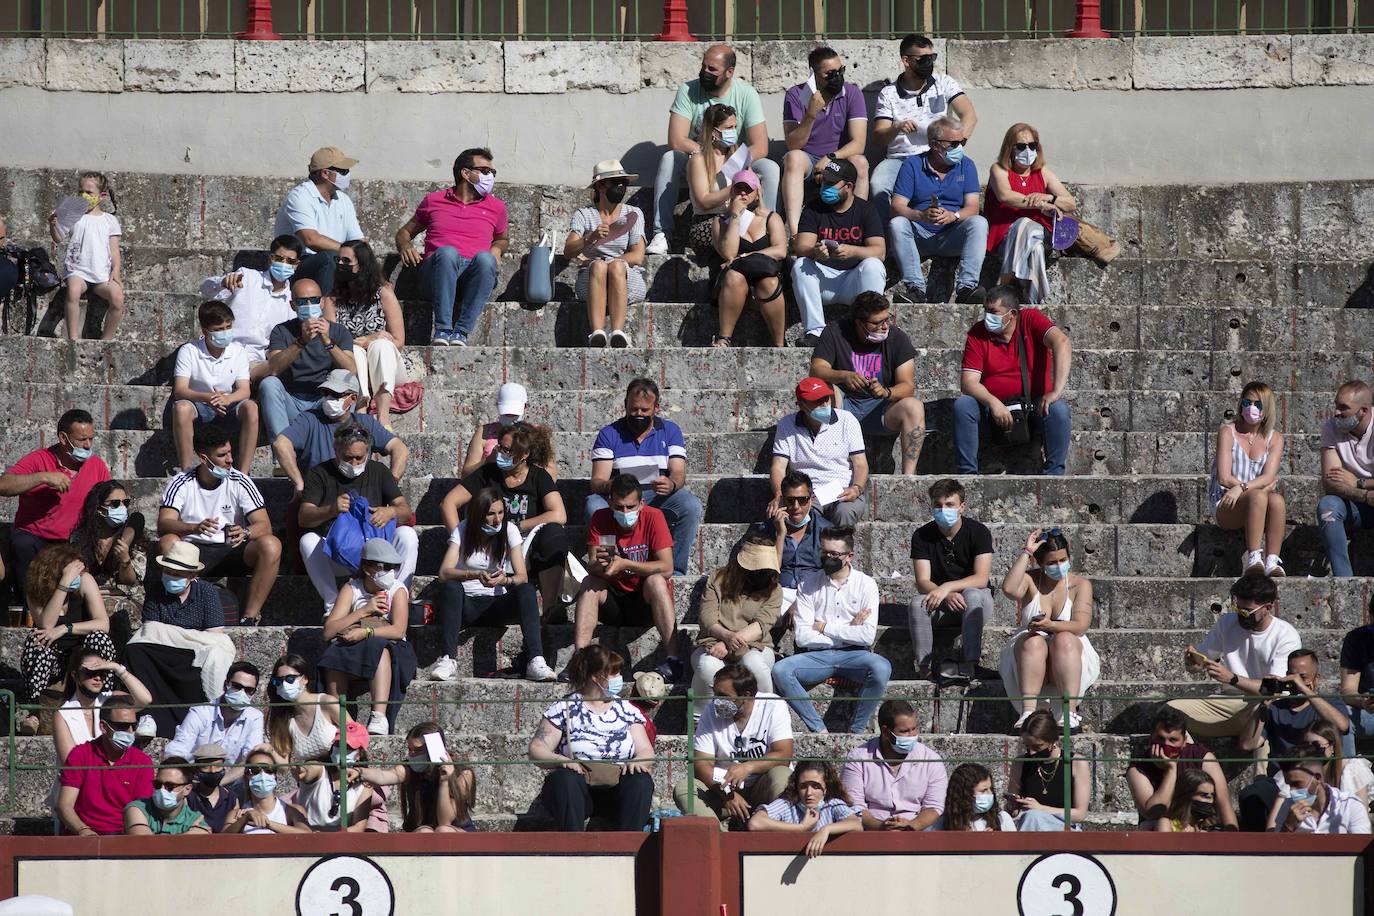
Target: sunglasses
921, 56
116, 503
1246, 402
90, 672
1247, 612
244, 687
257, 769
795, 500
829, 73
278, 680
1054, 533
946, 144
1022, 147
308, 300
169, 786
122, 726
832, 555
279, 259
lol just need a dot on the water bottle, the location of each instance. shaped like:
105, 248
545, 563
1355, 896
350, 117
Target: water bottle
539, 272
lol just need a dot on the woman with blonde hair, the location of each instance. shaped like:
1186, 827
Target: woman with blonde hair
1243, 491
1023, 200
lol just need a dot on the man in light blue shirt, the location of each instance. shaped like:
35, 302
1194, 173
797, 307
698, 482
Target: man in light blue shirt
230, 721
321, 215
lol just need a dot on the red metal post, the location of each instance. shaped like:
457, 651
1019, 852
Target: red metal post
259, 22
674, 22
1087, 22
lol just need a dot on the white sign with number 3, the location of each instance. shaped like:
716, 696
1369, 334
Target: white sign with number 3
345, 886
1066, 884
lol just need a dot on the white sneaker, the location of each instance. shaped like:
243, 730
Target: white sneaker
597, 338
539, 670
1075, 721
147, 727
443, 669
1022, 720
620, 340
376, 725
1254, 563
658, 244
1273, 566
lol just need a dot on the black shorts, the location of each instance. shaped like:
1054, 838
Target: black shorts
625, 609
222, 560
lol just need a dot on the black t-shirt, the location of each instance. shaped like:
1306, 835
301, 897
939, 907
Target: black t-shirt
859, 222
951, 559
521, 501
1357, 654
324, 482
841, 347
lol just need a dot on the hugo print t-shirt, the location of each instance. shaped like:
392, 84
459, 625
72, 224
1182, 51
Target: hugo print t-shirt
860, 221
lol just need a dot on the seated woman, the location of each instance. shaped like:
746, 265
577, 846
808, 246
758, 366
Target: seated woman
595, 749
606, 241
738, 609
1023, 200
533, 503
707, 185
300, 726
109, 538
265, 812
437, 796
511, 400
1194, 805
971, 802
1054, 609
1035, 788
364, 302
484, 581
1243, 491
68, 613
366, 632
1352, 775
813, 802
752, 243
317, 787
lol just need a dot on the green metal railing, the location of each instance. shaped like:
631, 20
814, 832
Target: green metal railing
613, 20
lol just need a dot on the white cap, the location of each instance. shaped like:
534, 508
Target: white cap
511, 399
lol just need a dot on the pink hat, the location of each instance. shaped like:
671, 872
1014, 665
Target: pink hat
747, 178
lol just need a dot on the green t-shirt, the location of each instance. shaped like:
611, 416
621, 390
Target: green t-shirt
180, 822
691, 103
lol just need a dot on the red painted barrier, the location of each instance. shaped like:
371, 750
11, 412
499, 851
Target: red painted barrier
259, 22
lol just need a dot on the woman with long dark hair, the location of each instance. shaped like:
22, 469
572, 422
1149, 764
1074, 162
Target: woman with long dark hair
366, 304
971, 802
437, 795
1035, 788
1194, 805
813, 802
109, 537
300, 725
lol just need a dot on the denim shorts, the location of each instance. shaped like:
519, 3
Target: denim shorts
206, 414
869, 412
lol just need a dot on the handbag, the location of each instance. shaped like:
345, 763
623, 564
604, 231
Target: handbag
1019, 431
600, 773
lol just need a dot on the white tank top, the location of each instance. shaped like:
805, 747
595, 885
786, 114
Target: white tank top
277, 816
323, 736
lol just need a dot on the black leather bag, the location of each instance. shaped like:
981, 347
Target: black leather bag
1019, 431
755, 267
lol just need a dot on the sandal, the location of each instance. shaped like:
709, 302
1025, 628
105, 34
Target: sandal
722, 342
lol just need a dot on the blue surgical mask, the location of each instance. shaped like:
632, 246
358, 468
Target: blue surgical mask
123, 740
1300, 795
994, 323
614, 685
945, 517
218, 472
904, 744
982, 802
627, 519
221, 339
81, 454
307, 312
175, 585
954, 155
729, 136
830, 194
490, 530
262, 785
117, 515
165, 799
1058, 570
290, 691
74, 585
801, 524
1025, 158
504, 462
237, 699
282, 272
823, 414
1346, 424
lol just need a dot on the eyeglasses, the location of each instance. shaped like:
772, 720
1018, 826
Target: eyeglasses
169, 786
278, 680
306, 300
257, 769
795, 500
832, 555
1022, 147
1247, 612
116, 503
484, 169
829, 73
882, 323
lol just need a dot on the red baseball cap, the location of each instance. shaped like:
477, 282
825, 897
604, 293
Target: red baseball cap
813, 389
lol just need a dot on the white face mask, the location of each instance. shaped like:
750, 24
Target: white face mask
351, 470
342, 181
385, 579
1025, 158
333, 408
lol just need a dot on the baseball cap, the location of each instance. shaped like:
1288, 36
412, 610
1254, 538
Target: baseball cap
840, 170
209, 751
340, 381
747, 178
511, 399
813, 389
331, 157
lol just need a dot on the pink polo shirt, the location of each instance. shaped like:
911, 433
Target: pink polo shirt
904, 791
105, 791
450, 223
45, 513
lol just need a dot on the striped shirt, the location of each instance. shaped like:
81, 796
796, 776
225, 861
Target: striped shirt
232, 501
1243, 467
645, 460
831, 811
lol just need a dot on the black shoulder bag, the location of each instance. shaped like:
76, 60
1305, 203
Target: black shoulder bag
1019, 431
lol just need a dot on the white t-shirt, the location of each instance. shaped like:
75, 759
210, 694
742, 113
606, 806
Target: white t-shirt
1357, 455
603, 735
1344, 814
823, 457
626, 229
88, 250
481, 561
1251, 654
206, 373
898, 105
980, 825
257, 309
231, 502
769, 723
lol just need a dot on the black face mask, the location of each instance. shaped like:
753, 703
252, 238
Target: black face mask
615, 193
638, 425
924, 67
1203, 811
1248, 623
832, 565
344, 271
708, 81
210, 780
834, 83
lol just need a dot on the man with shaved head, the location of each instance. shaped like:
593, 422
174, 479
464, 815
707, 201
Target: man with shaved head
301, 352
1347, 469
716, 84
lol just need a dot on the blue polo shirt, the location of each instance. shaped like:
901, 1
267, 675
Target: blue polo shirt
917, 183
643, 460
311, 434
804, 556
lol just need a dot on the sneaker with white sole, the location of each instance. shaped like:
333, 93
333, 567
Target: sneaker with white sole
620, 340
658, 244
377, 725
1254, 563
1273, 566
539, 670
443, 669
457, 339
440, 339
597, 339
1075, 721
1021, 721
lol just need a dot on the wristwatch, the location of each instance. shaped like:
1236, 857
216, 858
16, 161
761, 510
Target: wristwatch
1235, 680
1360, 482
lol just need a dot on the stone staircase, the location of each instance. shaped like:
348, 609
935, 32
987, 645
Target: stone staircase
1164, 340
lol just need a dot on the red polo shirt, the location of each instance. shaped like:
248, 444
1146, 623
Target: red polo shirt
45, 513
998, 364
104, 791
449, 222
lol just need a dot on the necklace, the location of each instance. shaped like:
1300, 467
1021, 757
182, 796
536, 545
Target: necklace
1047, 775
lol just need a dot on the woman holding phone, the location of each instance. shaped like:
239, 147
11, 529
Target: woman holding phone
1035, 789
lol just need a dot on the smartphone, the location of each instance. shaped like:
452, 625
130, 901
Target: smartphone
1273, 687
831, 244
935, 201
434, 749
1198, 656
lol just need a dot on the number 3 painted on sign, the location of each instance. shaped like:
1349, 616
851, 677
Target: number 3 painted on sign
1066, 884
345, 886
350, 897
1071, 895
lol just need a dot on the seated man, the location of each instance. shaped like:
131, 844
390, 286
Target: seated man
1152, 779
220, 510
652, 451
210, 385
231, 722
991, 376
827, 446
321, 215
716, 84
899, 782
103, 775
873, 363
52, 484
465, 230
300, 356
951, 557
834, 626
165, 812
742, 750
1244, 646
839, 247
629, 561
330, 488
1312, 805
309, 439
210, 797
1357, 678
1347, 468
798, 525
817, 116
260, 300
935, 208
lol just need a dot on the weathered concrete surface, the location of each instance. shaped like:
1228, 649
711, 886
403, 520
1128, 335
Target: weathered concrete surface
298, 67
159, 65
87, 66
22, 62
542, 67
1055, 63
1213, 62
669, 64
435, 66
1333, 60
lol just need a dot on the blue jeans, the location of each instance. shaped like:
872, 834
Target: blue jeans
683, 511
319, 267
796, 674
1362, 723
672, 170
814, 290
913, 241
880, 185
448, 276
280, 407
1337, 517
970, 416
